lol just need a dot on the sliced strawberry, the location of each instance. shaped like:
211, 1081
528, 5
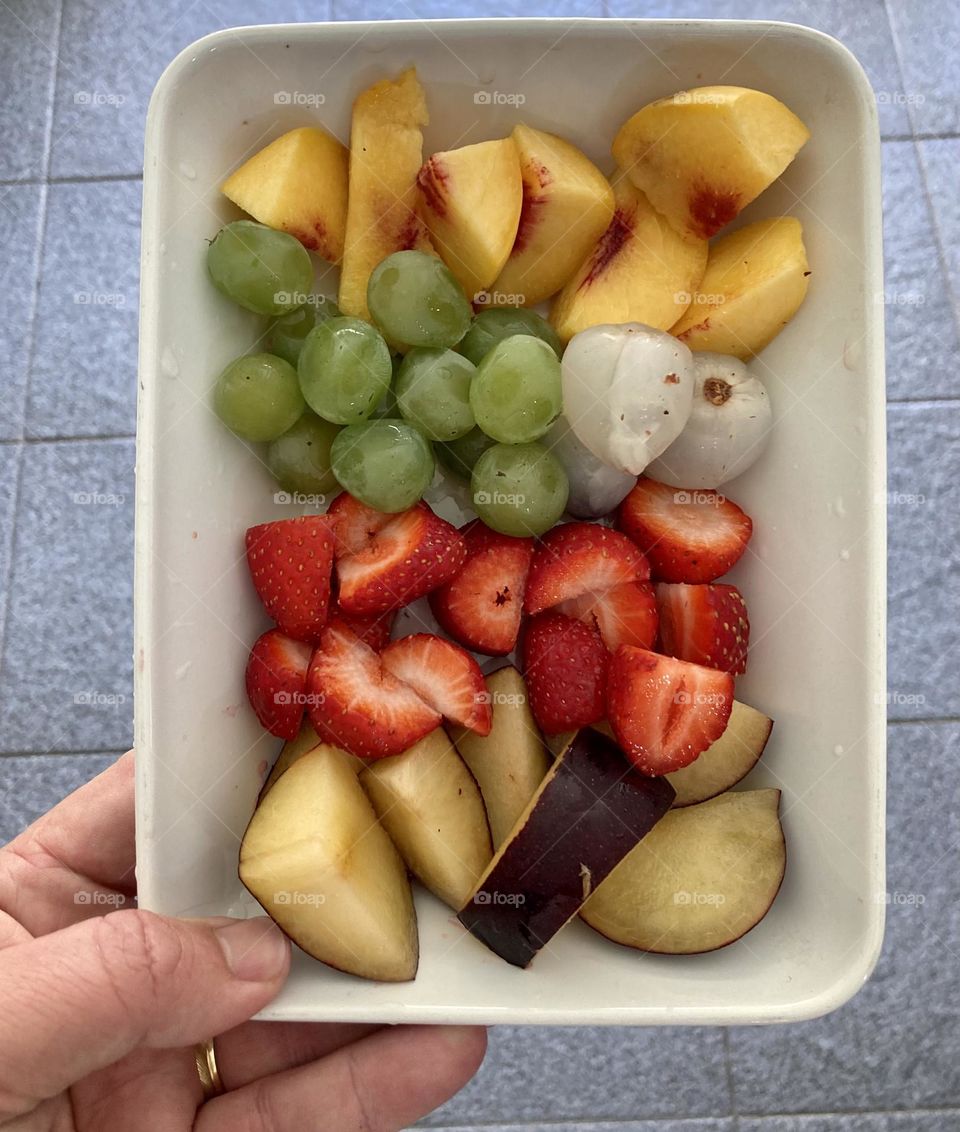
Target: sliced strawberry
372, 628
482, 604
355, 704
413, 554
704, 624
625, 615
581, 558
290, 562
689, 536
276, 677
353, 523
444, 676
565, 665
664, 712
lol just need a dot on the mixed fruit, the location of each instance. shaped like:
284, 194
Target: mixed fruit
593, 774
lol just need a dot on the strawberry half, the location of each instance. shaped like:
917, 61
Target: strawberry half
444, 676
276, 678
482, 604
290, 563
581, 558
565, 665
664, 712
353, 524
411, 555
625, 615
372, 628
689, 536
704, 624
355, 704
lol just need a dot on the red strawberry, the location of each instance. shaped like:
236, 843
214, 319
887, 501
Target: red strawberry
689, 536
664, 712
276, 678
372, 628
413, 554
704, 624
625, 615
355, 704
353, 523
580, 558
290, 562
481, 606
565, 665
445, 676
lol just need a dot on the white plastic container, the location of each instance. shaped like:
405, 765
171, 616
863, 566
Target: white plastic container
814, 575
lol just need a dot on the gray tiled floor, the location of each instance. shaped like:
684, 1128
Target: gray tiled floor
65, 565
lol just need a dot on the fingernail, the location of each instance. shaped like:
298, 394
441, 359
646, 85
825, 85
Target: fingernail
255, 950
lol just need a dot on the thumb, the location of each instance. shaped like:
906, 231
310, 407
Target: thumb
80, 999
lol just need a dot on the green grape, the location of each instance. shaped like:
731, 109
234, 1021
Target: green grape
286, 334
460, 455
492, 326
414, 299
433, 392
258, 397
519, 489
386, 463
266, 271
516, 394
344, 369
300, 459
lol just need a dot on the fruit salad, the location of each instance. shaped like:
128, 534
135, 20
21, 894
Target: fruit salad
530, 711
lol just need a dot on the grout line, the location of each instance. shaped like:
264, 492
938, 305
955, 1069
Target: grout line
906, 721
62, 754
731, 1083
920, 136
71, 179
26, 440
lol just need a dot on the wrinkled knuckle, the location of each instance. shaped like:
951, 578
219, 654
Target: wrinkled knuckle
140, 953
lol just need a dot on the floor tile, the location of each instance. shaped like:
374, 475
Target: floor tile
924, 560
451, 9
10, 455
110, 59
861, 25
65, 679
928, 37
20, 211
941, 159
590, 1073
666, 1125
922, 335
84, 376
893, 1046
940, 1121
28, 49
32, 784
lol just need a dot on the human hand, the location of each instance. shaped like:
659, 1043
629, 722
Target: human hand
99, 1014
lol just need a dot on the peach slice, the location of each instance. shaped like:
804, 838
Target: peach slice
386, 151
640, 270
567, 205
298, 183
702, 155
755, 281
471, 204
